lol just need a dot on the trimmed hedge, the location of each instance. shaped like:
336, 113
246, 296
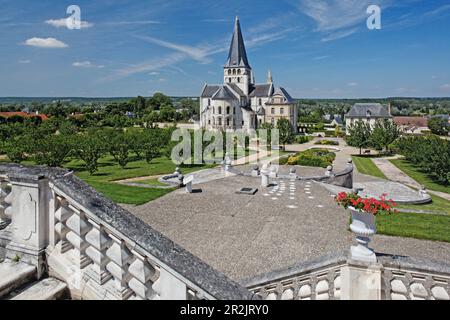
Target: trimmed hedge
313, 158
327, 143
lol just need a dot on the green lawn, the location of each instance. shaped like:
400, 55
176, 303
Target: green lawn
413, 225
365, 165
152, 182
110, 171
439, 205
421, 177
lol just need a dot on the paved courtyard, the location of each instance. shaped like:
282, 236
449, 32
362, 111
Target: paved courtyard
243, 235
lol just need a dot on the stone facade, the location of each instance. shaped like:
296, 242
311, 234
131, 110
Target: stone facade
239, 103
368, 113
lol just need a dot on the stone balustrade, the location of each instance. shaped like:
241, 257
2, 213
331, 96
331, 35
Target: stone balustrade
54, 221
411, 279
338, 277
68, 230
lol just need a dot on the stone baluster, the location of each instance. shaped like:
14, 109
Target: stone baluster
142, 273
61, 215
79, 227
120, 257
98, 242
167, 287
4, 219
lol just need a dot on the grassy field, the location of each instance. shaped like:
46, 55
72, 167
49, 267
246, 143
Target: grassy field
109, 172
421, 177
365, 165
439, 205
152, 182
413, 225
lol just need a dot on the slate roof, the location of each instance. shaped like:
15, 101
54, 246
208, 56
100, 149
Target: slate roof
223, 94
236, 89
360, 110
285, 94
209, 91
260, 90
237, 57
338, 120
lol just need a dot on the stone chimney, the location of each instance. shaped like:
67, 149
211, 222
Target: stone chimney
389, 109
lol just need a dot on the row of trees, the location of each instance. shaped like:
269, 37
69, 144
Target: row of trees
383, 134
430, 153
53, 146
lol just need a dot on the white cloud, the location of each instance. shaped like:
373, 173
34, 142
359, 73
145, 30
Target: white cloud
66, 22
352, 84
124, 23
86, 64
24, 61
154, 73
45, 43
337, 19
199, 54
266, 32
339, 35
321, 57
439, 10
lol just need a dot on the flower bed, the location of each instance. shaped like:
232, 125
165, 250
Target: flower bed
373, 206
327, 143
312, 158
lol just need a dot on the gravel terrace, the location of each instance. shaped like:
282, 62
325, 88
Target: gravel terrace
244, 236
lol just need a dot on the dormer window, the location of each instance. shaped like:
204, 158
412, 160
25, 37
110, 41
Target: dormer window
369, 113
239, 71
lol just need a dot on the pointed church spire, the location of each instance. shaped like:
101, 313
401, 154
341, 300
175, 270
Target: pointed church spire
269, 77
237, 56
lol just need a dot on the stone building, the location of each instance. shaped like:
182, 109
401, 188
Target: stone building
367, 112
239, 103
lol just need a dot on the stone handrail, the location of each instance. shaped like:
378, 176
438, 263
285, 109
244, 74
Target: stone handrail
314, 280
63, 226
338, 277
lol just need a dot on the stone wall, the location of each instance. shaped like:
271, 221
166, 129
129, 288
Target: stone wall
336, 277
66, 228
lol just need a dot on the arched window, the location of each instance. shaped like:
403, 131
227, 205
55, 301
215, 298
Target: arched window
229, 72
234, 110
209, 102
273, 110
234, 71
239, 71
214, 110
282, 111
260, 102
228, 122
229, 80
228, 110
220, 121
239, 80
220, 110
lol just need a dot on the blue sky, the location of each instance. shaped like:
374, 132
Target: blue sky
315, 48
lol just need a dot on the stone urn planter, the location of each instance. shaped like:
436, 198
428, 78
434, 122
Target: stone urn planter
363, 225
364, 211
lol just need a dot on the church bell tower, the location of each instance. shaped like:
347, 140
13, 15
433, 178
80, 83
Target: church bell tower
237, 70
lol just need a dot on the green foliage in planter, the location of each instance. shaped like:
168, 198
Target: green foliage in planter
302, 139
313, 158
327, 143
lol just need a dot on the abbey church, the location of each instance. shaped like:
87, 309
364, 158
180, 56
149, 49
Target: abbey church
239, 103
